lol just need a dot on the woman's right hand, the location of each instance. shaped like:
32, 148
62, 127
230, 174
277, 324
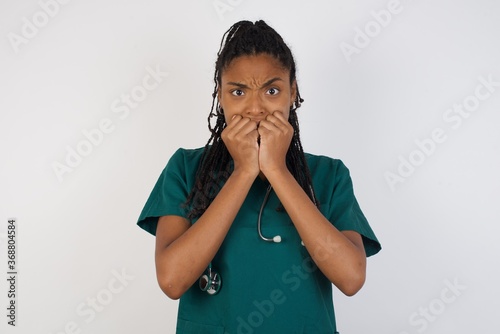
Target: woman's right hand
240, 137
184, 250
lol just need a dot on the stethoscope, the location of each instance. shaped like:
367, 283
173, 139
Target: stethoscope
211, 281
276, 238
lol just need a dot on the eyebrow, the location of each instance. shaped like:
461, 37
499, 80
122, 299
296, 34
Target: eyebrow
267, 83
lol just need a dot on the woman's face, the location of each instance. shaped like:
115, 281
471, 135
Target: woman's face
254, 87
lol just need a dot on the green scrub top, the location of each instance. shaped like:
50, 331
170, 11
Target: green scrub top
266, 287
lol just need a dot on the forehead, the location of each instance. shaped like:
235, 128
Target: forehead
254, 66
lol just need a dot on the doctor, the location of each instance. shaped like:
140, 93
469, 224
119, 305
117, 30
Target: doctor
251, 219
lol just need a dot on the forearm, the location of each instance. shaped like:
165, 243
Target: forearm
340, 260
183, 261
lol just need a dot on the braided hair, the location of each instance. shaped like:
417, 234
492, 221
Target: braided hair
242, 39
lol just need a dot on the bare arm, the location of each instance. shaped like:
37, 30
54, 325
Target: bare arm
183, 251
339, 255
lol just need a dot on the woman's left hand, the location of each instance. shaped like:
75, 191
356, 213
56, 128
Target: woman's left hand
275, 137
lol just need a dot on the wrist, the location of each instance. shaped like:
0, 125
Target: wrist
272, 173
244, 173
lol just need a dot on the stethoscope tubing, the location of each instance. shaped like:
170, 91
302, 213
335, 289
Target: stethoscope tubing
211, 282
259, 220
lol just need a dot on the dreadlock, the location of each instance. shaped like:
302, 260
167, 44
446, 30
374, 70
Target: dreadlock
244, 38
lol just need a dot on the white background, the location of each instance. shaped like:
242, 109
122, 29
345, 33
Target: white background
438, 227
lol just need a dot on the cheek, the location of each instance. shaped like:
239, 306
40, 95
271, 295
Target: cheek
228, 114
287, 116
285, 106
233, 108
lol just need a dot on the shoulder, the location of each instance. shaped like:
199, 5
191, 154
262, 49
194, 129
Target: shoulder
188, 153
327, 173
186, 156
322, 164
184, 162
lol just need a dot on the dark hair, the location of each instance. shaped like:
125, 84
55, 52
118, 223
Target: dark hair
244, 38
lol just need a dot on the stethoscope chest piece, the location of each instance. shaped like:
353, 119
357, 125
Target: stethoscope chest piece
210, 282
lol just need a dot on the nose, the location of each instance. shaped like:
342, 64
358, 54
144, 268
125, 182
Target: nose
255, 106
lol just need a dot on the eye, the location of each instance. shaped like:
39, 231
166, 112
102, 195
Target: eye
237, 92
273, 91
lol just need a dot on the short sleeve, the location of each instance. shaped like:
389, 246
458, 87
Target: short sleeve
169, 193
344, 211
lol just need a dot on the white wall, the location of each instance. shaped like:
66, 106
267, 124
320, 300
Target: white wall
438, 222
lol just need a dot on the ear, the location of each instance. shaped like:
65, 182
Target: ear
293, 93
219, 97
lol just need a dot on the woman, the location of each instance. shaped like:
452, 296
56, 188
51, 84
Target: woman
251, 232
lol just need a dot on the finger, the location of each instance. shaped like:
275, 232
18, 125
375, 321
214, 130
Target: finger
244, 131
273, 123
279, 115
237, 123
267, 126
277, 118
248, 126
234, 121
